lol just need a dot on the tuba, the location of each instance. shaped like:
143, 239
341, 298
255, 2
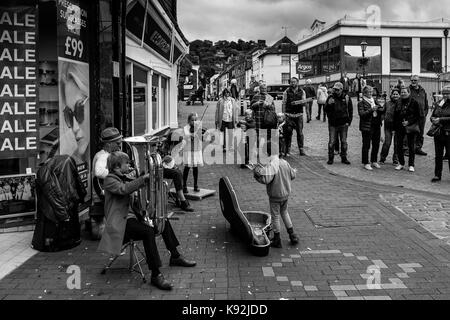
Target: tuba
151, 201
156, 193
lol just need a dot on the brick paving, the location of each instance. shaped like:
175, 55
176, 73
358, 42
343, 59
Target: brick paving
349, 230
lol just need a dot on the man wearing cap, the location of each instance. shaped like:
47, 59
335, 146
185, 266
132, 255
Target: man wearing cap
112, 141
339, 111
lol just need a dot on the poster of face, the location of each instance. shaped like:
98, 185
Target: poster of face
74, 114
17, 195
73, 82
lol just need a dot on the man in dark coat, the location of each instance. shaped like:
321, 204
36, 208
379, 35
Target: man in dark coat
339, 111
294, 115
419, 94
310, 93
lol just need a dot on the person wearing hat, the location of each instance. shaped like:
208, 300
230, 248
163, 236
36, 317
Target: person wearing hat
339, 110
441, 117
112, 141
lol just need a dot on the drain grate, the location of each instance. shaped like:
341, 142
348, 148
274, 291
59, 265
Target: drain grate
343, 216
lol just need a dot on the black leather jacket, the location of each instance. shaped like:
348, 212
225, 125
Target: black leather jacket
59, 188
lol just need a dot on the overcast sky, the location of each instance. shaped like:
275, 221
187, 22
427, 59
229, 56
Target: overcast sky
263, 19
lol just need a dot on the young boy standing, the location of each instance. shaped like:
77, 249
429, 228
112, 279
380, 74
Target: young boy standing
277, 176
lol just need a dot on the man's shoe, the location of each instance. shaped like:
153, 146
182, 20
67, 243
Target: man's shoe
399, 167
435, 179
196, 189
330, 161
345, 161
376, 165
302, 153
294, 238
182, 262
411, 169
318, 118
161, 283
368, 167
185, 206
421, 153
243, 166
276, 243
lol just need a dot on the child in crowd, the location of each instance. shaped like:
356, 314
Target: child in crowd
192, 150
277, 176
281, 125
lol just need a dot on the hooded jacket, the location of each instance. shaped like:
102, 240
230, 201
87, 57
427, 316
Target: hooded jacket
277, 176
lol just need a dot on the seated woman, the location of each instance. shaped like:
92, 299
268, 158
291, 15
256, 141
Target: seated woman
123, 223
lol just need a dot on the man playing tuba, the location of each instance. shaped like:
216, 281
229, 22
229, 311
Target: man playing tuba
125, 223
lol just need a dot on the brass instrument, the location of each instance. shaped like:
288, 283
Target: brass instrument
153, 199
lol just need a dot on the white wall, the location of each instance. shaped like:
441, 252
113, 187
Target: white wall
272, 68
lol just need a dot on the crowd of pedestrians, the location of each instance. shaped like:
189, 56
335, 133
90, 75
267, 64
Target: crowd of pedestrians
392, 123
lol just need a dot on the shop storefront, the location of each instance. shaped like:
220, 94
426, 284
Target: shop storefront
69, 69
153, 50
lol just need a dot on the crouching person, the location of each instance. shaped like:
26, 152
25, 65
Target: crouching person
277, 176
123, 223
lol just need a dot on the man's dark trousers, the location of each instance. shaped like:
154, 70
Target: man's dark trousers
137, 231
294, 123
334, 132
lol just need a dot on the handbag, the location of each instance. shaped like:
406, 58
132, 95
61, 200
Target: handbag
412, 128
435, 130
270, 119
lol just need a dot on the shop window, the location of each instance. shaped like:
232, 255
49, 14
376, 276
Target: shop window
140, 93
401, 55
431, 55
155, 100
285, 78
164, 102
353, 59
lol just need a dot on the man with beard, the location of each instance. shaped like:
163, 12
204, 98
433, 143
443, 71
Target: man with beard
339, 111
418, 93
294, 115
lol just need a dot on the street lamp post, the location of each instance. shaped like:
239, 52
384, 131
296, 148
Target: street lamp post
446, 48
363, 49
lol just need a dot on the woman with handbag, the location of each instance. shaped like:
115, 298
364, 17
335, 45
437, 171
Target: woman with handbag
370, 113
406, 123
440, 130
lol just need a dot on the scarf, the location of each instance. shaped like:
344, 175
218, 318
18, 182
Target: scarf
371, 101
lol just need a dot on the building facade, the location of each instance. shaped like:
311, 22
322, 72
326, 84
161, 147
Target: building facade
72, 69
394, 50
276, 64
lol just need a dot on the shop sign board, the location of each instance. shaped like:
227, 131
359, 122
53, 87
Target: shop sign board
19, 125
